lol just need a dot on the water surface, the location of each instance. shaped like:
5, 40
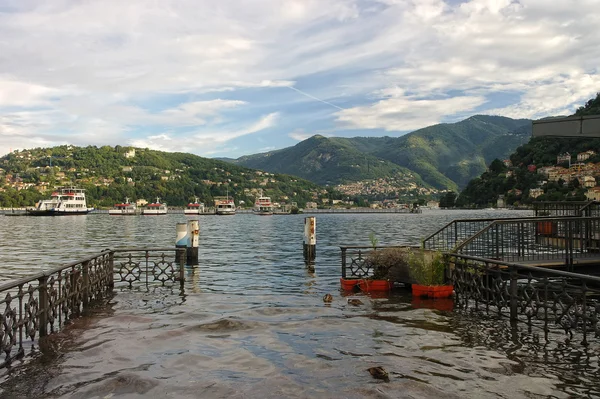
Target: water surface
252, 322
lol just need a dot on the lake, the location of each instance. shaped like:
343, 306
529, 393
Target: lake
252, 322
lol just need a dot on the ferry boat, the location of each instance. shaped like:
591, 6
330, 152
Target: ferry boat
66, 201
155, 208
194, 208
125, 208
263, 205
225, 206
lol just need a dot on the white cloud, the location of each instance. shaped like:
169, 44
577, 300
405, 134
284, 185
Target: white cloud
405, 113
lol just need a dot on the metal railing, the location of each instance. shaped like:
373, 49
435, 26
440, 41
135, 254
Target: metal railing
567, 208
456, 232
536, 240
539, 296
35, 306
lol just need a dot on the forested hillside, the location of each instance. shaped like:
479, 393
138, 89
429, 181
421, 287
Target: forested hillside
109, 174
534, 173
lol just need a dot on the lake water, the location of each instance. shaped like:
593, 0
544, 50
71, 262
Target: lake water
252, 322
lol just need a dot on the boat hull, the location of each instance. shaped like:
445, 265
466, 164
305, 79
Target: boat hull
53, 212
225, 212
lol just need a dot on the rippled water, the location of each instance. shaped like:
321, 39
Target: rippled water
252, 322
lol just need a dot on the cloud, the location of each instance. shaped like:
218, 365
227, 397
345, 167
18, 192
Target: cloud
404, 113
300, 135
205, 142
107, 72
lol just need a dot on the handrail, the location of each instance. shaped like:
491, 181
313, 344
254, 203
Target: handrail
534, 269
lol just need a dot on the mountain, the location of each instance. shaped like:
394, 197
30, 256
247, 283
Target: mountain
109, 174
444, 156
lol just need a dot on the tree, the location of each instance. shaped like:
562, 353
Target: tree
448, 200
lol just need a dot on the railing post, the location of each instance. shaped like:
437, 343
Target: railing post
85, 275
513, 294
43, 310
111, 269
343, 262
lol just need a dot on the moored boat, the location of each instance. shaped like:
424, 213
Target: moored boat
194, 208
66, 200
263, 205
155, 208
224, 205
125, 208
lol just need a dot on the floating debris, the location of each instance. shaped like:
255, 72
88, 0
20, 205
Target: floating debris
380, 373
355, 302
327, 298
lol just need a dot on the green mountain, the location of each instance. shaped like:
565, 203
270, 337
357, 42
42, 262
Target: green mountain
444, 156
516, 182
109, 174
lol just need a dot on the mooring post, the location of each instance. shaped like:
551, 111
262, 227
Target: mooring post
43, 298
180, 242
193, 233
310, 238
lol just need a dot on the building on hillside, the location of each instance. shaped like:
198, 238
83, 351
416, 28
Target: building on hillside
577, 167
531, 168
127, 168
311, 205
433, 204
507, 163
593, 194
583, 156
500, 203
566, 157
130, 153
588, 181
535, 192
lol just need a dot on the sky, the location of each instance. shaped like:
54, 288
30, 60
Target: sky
230, 78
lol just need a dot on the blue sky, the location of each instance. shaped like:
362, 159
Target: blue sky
234, 77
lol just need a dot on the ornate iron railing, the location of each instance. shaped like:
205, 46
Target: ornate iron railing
354, 262
539, 296
35, 306
568, 240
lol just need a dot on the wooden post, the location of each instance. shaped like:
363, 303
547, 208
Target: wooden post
193, 233
310, 238
180, 242
43, 298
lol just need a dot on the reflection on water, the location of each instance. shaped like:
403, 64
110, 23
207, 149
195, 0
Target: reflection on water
252, 322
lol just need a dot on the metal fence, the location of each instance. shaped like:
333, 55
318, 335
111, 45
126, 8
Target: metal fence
455, 233
539, 240
35, 306
567, 208
541, 297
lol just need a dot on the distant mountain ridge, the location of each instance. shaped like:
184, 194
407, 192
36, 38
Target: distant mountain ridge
444, 156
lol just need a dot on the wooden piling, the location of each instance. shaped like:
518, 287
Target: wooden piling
310, 239
193, 233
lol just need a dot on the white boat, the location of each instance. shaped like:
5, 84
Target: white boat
125, 208
225, 206
263, 205
194, 208
66, 201
155, 208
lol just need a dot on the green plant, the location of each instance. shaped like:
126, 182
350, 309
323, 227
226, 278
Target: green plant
426, 267
381, 261
374, 240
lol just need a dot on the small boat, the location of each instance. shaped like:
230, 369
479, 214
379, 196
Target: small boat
225, 206
194, 208
67, 200
263, 205
125, 208
155, 208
